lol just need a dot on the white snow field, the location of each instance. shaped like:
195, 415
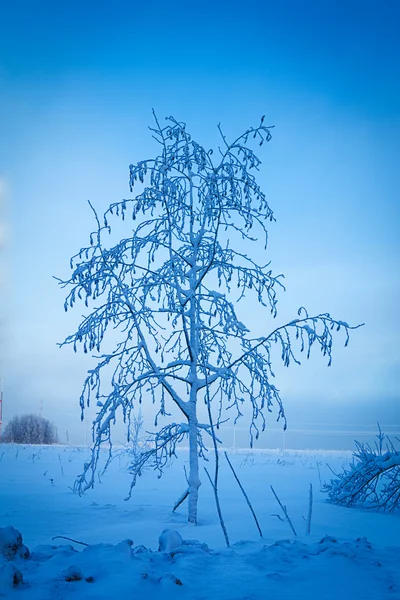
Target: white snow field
349, 554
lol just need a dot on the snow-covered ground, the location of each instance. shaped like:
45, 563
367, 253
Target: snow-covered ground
349, 554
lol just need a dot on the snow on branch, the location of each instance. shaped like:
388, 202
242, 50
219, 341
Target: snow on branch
372, 480
161, 304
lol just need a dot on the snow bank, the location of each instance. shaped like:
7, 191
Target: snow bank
189, 570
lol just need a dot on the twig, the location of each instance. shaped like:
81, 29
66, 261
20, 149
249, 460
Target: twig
215, 483
69, 539
310, 502
276, 515
244, 494
221, 520
319, 474
181, 499
284, 510
186, 475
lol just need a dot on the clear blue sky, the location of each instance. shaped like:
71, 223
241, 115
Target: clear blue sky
77, 85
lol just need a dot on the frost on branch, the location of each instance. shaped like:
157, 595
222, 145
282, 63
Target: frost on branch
169, 294
372, 480
161, 447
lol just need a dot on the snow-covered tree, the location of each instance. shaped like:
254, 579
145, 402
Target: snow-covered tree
372, 480
30, 429
171, 290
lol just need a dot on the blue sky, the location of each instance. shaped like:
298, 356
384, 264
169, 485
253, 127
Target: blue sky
77, 85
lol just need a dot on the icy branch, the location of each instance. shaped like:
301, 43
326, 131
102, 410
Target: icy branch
372, 480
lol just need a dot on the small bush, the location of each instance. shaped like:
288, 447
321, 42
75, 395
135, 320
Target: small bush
372, 480
30, 429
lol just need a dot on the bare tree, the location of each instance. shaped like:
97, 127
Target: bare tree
30, 429
170, 289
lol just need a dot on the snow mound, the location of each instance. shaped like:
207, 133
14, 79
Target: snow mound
10, 576
190, 570
11, 545
169, 540
72, 573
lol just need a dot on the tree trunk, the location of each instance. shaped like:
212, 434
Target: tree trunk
194, 480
